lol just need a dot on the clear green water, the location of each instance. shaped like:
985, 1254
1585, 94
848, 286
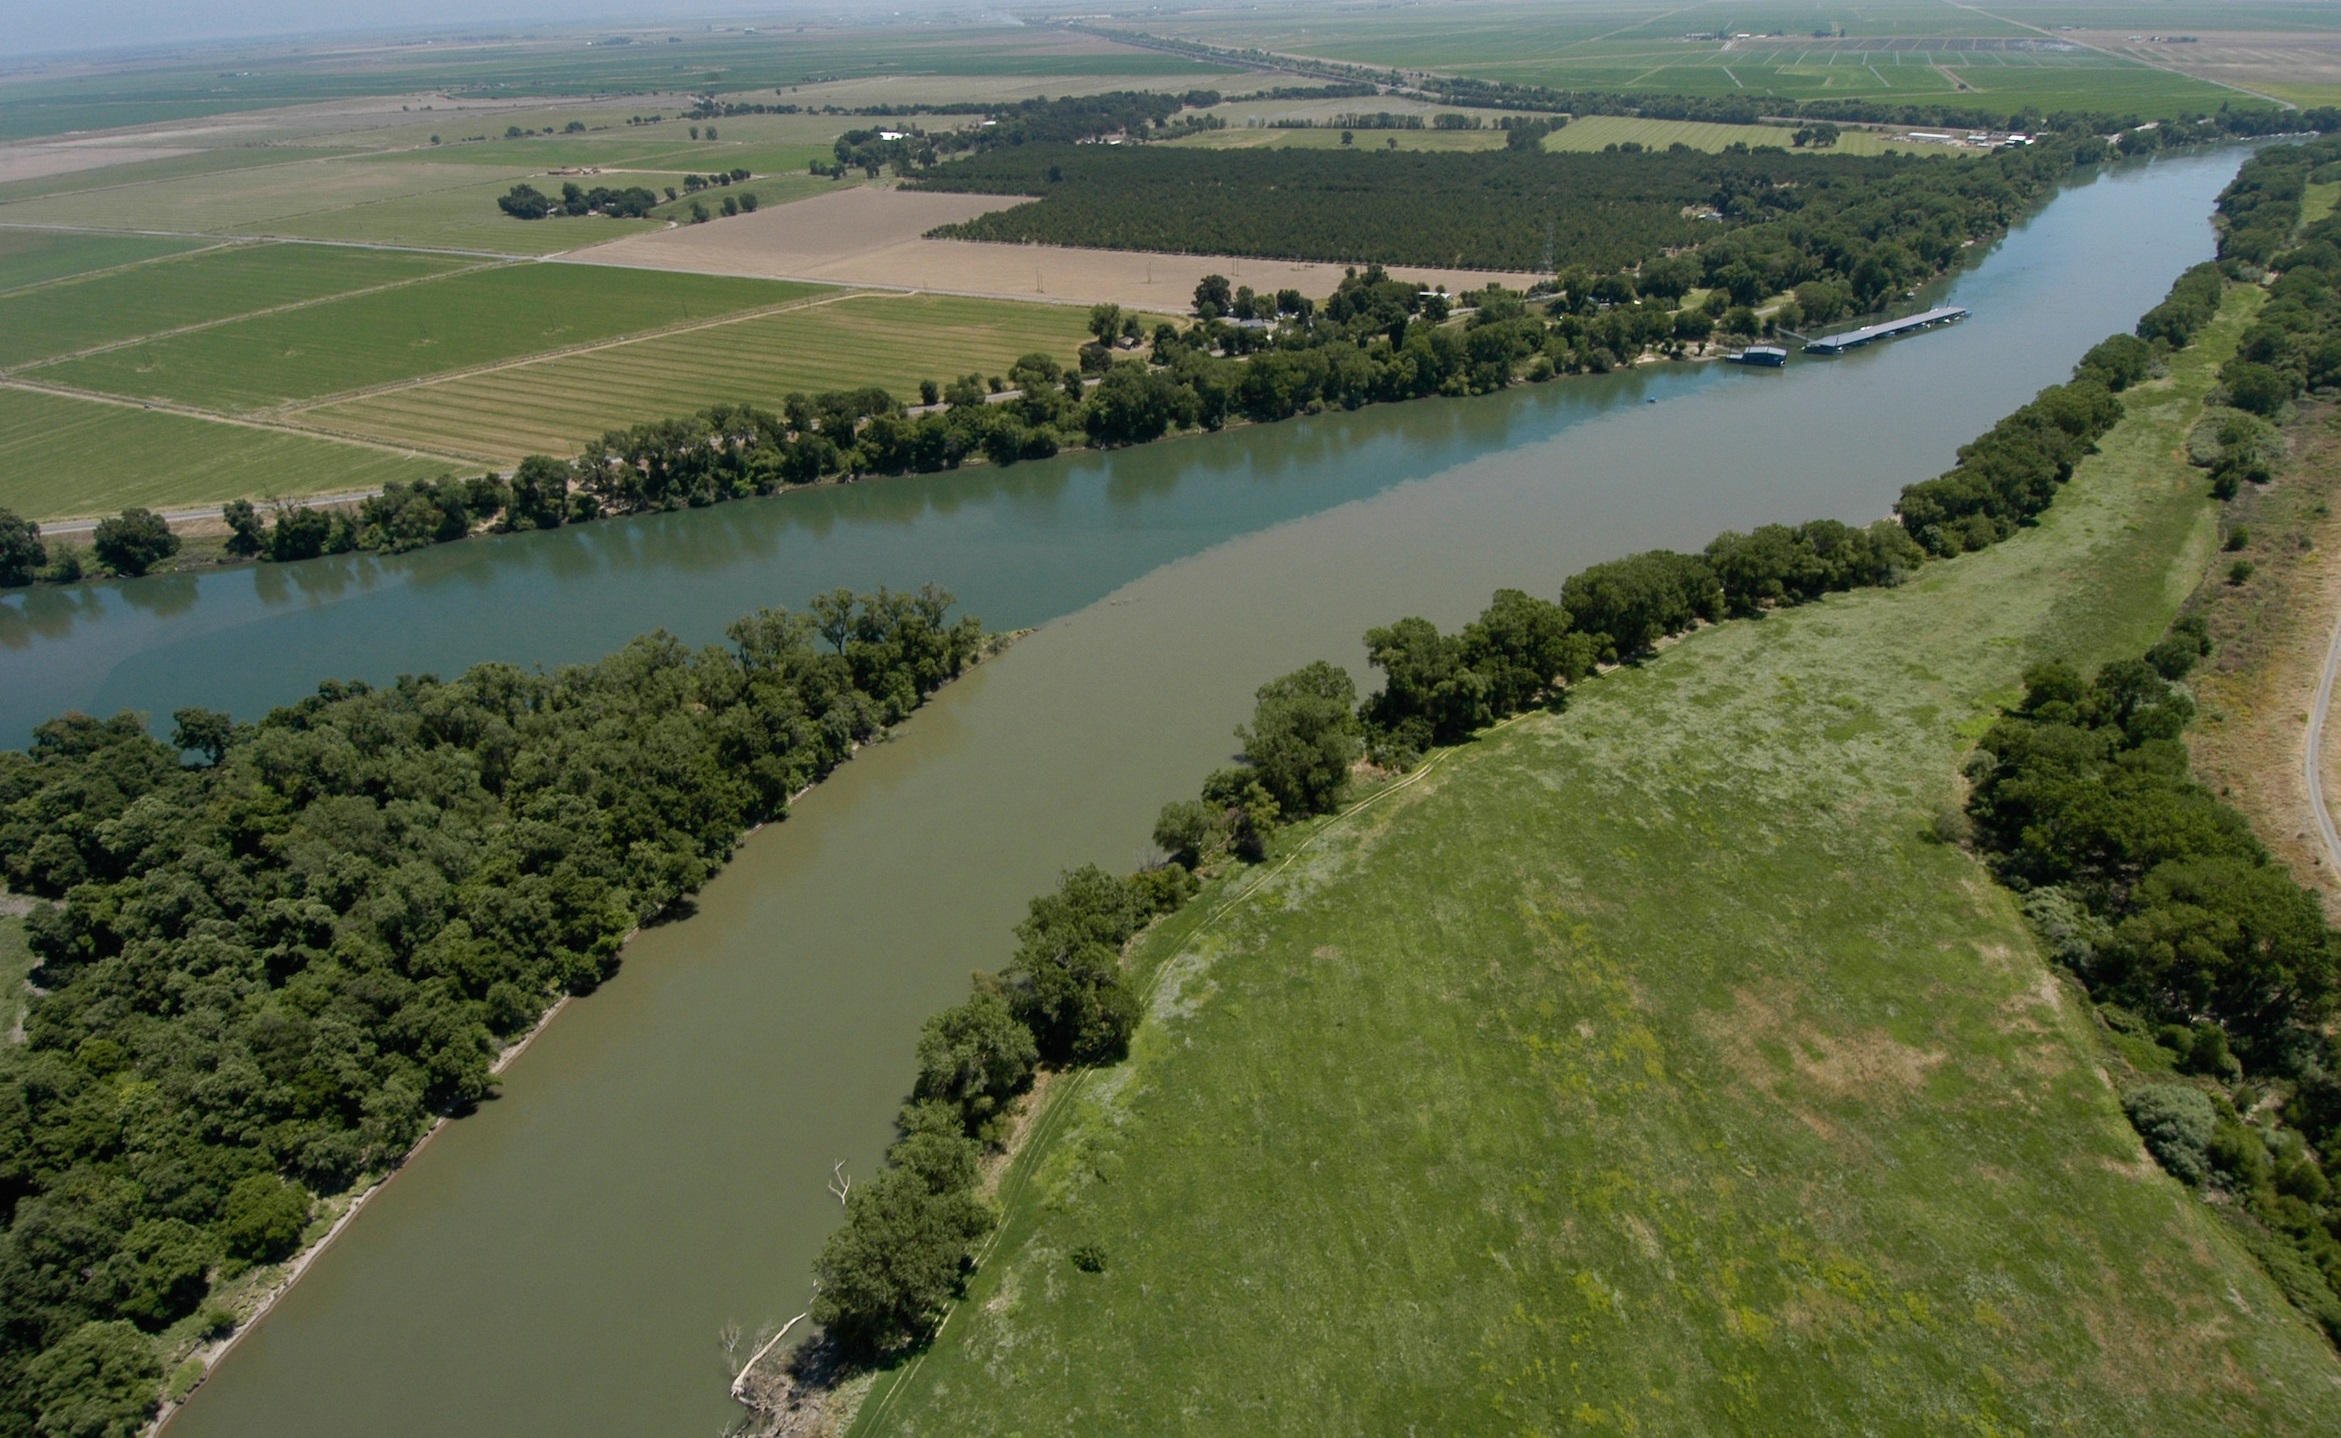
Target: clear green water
564, 1262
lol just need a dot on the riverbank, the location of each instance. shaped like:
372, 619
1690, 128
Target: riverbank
252, 1298
1707, 1054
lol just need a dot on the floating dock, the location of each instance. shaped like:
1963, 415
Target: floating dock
1855, 339
1769, 356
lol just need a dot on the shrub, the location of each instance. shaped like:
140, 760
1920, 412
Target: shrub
2176, 1122
975, 1058
134, 541
263, 1218
884, 1277
1186, 830
22, 555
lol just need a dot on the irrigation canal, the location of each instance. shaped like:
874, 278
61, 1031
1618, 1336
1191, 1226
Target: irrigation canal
563, 1262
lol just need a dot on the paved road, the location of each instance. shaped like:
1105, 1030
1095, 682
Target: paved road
2311, 762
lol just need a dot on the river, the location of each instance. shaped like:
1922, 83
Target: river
563, 1262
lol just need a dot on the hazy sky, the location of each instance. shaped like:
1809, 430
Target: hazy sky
35, 26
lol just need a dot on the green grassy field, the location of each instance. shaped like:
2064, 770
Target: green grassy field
474, 318
1918, 51
1649, 1068
555, 405
218, 284
63, 456
38, 257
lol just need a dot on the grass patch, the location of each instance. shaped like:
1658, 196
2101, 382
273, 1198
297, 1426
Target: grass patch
466, 319
219, 284
63, 456
555, 405
35, 257
16, 964
1651, 1068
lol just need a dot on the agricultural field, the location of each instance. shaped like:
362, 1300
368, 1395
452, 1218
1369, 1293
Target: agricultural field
1651, 1067
35, 257
1918, 51
67, 316
1263, 138
1594, 132
554, 405
577, 64
62, 456
478, 317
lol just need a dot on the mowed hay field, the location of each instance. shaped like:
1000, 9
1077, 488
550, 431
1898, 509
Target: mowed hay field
62, 456
32, 257
473, 318
1650, 1068
70, 315
555, 405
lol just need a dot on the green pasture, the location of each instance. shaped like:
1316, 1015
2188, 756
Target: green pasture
34, 257
554, 405
1651, 1068
63, 456
217, 284
474, 318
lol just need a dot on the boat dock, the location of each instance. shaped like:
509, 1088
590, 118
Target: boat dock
1855, 339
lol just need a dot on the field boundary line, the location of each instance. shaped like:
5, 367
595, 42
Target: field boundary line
243, 237
223, 244
546, 356
266, 311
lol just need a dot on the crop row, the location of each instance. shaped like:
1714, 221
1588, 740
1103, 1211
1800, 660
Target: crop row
554, 405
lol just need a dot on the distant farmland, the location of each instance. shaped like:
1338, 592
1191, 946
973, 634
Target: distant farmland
467, 319
556, 404
65, 456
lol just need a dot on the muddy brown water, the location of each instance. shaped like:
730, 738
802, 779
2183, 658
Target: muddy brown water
564, 1262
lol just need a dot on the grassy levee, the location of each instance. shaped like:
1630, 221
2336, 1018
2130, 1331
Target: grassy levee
1650, 1067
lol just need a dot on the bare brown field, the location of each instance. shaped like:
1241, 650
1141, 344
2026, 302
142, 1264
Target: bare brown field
870, 235
2303, 68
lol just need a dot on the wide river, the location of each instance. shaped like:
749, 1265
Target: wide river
563, 1262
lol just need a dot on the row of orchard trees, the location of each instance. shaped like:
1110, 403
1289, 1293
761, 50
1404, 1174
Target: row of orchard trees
270, 954
1066, 999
